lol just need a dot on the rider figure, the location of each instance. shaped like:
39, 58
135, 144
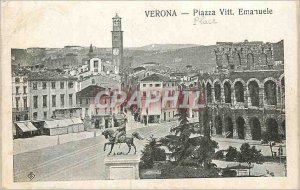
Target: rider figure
120, 131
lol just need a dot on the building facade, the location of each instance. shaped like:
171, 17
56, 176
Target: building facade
50, 92
245, 96
20, 97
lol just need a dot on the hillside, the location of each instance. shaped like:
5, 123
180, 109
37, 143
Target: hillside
175, 56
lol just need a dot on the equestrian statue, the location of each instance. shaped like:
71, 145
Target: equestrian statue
119, 136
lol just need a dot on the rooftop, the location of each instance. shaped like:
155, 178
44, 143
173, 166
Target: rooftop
90, 91
49, 76
157, 78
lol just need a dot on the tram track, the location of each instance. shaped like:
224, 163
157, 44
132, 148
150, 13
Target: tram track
69, 156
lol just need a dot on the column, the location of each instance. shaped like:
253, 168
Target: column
235, 133
261, 95
248, 134
213, 95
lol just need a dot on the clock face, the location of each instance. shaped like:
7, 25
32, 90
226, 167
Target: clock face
116, 51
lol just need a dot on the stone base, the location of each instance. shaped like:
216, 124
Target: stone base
122, 167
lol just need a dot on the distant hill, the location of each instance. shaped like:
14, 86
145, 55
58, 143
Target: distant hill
175, 56
162, 47
200, 57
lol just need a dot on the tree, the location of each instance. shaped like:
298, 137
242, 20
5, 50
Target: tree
249, 155
151, 153
231, 154
271, 138
193, 151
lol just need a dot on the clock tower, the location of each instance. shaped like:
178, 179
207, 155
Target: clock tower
117, 43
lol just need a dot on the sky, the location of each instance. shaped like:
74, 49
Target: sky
57, 24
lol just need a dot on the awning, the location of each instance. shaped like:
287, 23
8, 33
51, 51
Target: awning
77, 120
31, 126
68, 122
51, 124
26, 127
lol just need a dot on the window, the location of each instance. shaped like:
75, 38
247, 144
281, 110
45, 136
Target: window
96, 63
80, 101
44, 84
25, 102
34, 115
45, 115
53, 85
34, 86
144, 85
35, 101
62, 85
53, 100
151, 85
17, 102
62, 100
44, 101
70, 84
144, 94
70, 99
24, 79
157, 85
17, 80
25, 89
17, 89
87, 101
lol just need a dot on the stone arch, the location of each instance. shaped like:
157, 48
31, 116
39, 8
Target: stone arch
270, 88
209, 92
218, 125
228, 127
255, 128
236, 59
227, 91
239, 91
225, 60
240, 124
250, 59
217, 89
272, 129
253, 89
264, 59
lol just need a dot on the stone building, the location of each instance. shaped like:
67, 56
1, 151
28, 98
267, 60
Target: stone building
20, 99
52, 93
245, 95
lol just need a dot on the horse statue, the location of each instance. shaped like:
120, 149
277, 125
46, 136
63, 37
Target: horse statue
110, 134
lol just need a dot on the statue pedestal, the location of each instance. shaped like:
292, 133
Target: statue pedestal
122, 167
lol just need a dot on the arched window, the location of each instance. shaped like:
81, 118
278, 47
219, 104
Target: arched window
218, 125
217, 88
264, 59
255, 128
270, 92
228, 127
240, 123
208, 91
236, 59
239, 91
250, 59
227, 91
225, 60
272, 129
254, 93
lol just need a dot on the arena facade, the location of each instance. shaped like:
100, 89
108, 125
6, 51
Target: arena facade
245, 96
